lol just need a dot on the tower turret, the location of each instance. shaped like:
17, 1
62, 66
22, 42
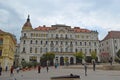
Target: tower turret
27, 26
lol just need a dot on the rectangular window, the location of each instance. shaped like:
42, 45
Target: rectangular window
94, 43
35, 50
31, 50
40, 50
1, 41
24, 42
89, 43
31, 34
24, 34
24, 49
0, 52
80, 43
41, 42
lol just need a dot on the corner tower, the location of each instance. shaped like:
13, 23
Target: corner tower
27, 26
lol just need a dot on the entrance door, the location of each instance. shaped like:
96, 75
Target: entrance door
71, 60
61, 60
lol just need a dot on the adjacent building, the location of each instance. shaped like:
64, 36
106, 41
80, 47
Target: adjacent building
63, 40
109, 46
16, 56
7, 49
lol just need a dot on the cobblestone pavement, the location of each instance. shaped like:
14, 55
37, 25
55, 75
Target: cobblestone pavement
60, 71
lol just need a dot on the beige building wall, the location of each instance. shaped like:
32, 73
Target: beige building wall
7, 48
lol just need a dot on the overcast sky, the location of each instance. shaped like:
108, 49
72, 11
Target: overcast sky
100, 15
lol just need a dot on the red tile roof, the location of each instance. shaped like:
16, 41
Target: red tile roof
42, 28
112, 34
78, 29
75, 29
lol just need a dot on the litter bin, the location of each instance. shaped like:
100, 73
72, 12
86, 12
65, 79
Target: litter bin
67, 77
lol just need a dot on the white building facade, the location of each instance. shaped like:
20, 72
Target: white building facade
109, 46
63, 40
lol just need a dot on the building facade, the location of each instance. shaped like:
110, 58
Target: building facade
7, 49
109, 46
16, 56
63, 40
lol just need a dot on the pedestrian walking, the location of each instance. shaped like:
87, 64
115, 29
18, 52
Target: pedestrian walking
11, 71
0, 70
111, 60
47, 68
56, 65
85, 67
17, 69
39, 69
6, 68
94, 65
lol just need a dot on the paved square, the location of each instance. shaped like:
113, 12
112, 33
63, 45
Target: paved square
60, 71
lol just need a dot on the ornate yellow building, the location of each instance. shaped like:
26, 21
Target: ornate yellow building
7, 49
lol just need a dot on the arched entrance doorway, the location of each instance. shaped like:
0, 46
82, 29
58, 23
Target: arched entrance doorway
61, 60
71, 60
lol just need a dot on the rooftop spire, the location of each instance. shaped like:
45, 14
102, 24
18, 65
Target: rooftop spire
27, 25
28, 19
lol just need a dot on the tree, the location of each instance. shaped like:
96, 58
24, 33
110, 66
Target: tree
49, 56
79, 56
118, 53
23, 63
117, 58
93, 55
66, 60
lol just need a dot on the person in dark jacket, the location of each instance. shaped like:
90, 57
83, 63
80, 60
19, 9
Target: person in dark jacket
39, 69
0, 70
11, 70
47, 68
85, 67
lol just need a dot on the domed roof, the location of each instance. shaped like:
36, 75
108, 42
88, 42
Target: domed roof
27, 25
